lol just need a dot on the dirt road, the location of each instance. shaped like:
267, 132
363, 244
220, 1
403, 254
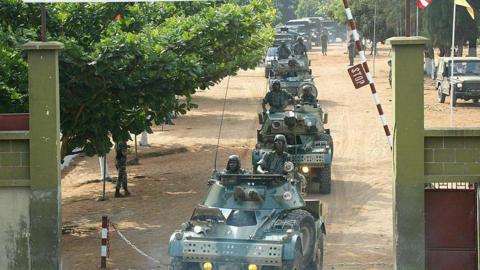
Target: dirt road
171, 177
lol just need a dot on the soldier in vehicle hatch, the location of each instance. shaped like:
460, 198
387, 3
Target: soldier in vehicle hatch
234, 166
121, 164
307, 96
277, 98
299, 48
273, 162
283, 51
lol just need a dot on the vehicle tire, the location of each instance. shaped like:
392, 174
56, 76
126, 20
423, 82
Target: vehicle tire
307, 228
475, 100
328, 138
441, 96
325, 177
178, 264
318, 263
296, 263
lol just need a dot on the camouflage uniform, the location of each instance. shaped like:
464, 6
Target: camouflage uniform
277, 98
351, 50
324, 39
299, 48
307, 96
121, 164
273, 162
283, 51
234, 166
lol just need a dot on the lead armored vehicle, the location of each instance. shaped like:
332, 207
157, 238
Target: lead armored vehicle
309, 142
251, 222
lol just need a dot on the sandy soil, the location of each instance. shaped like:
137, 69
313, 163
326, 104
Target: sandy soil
171, 177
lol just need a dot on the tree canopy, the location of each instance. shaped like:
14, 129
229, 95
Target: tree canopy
127, 66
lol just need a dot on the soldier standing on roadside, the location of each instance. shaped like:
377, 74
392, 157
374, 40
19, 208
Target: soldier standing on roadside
121, 164
324, 39
351, 50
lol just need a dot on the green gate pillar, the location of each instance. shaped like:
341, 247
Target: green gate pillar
408, 152
45, 200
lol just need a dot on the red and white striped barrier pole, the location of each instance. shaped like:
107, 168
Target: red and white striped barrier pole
104, 247
363, 60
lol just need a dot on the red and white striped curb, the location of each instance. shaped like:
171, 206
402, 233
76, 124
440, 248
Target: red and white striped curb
104, 247
363, 60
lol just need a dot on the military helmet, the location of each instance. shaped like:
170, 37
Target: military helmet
280, 137
235, 158
299, 39
307, 88
275, 82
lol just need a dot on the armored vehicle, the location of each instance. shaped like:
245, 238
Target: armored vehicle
304, 29
466, 79
309, 143
269, 59
285, 34
293, 73
251, 222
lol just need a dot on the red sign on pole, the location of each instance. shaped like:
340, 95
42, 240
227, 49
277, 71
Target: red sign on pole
358, 76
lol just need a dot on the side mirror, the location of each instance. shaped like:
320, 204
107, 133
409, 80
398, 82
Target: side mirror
325, 118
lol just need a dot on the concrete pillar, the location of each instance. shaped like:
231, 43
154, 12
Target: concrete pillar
408, 152
45, 200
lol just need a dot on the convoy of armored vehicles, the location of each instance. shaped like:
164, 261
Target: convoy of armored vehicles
260, 220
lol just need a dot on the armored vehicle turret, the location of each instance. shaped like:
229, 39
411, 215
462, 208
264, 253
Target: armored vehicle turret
251, 222
309, 142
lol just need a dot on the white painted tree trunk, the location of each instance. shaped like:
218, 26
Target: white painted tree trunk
107, 173
144, 139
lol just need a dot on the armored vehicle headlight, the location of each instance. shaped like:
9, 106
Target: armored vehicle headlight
207, 266
459, 85
252, 267
305, 169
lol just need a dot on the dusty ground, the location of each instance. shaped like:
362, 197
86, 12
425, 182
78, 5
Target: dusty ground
171, 177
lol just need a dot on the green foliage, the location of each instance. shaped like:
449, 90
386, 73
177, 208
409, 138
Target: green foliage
308, 8
285, 10
120, 76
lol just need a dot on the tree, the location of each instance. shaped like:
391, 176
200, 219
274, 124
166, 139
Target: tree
127, 66
308, 8
285, 10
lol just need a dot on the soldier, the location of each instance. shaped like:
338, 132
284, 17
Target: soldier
324, 39
277, 98
308, 97
283, 51
121, 164
234, 166
273, 162
299, 48
351, 50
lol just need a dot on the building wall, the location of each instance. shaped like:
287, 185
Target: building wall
452, 152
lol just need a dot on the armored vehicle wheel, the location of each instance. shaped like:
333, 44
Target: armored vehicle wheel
296, 263
178, 264
441, 96
325, 179
318, 263
307, 230
328, 138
